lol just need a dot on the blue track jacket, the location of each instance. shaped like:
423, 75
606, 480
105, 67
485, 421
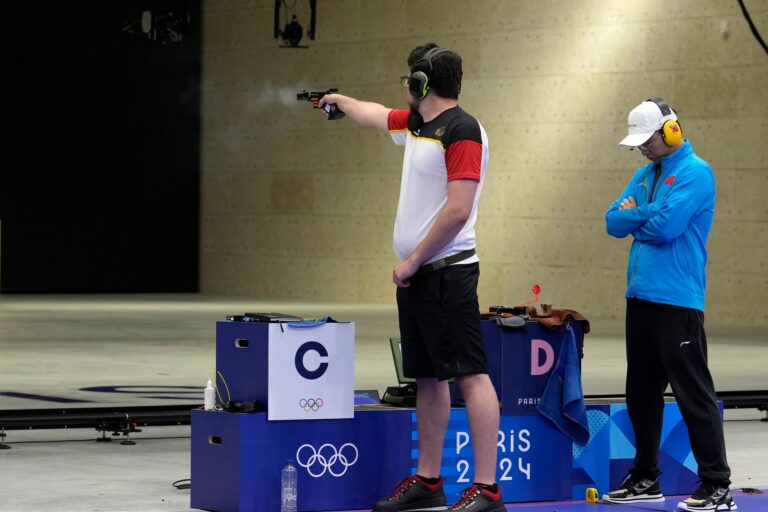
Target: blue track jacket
669, 254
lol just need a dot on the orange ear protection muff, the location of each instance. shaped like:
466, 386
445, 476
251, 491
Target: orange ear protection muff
418, 84
671, 131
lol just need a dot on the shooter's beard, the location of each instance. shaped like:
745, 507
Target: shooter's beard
415, 121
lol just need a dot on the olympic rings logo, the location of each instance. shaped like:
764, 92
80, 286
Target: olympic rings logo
327, 458
311, 404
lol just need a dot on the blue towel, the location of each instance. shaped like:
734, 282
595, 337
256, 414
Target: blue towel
563, 399
315, 322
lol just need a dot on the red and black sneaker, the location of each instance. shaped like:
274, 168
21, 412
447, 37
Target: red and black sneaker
413, 494
479, 499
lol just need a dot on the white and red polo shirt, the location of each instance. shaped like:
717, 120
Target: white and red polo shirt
452, 146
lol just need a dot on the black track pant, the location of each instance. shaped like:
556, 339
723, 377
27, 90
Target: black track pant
667, 345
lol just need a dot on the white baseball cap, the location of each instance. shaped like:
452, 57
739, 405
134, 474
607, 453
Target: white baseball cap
642, 121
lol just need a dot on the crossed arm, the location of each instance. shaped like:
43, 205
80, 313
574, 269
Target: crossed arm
659, 222
624, 217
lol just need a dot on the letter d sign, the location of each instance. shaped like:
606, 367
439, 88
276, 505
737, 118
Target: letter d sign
549, 357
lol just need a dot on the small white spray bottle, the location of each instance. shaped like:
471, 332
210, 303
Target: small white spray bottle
209, 397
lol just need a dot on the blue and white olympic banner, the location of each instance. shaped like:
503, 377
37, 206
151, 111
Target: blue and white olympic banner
533, 464
311, 372
341, 464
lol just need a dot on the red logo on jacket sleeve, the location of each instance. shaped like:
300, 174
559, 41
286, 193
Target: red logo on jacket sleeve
670, 180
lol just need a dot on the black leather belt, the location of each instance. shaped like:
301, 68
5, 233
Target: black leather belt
442, 263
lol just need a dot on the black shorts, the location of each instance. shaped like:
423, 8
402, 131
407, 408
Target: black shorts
440, 324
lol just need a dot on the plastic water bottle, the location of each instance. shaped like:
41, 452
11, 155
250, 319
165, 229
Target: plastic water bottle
288, 481
209, 397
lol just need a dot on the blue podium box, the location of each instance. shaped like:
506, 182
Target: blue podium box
520, 361
350, 463
298, 372
341, 464
241, 357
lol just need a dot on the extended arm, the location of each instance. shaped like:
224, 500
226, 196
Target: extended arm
365, 113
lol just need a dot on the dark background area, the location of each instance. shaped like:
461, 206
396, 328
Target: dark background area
99, 171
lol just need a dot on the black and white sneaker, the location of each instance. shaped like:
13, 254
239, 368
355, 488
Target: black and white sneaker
413, 494
709, 497
636, 490
479, 499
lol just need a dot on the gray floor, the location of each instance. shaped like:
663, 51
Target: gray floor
56, 346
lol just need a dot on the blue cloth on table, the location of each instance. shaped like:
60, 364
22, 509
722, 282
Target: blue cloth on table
315, 322
563, 400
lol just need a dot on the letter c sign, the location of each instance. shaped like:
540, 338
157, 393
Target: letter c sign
311, 346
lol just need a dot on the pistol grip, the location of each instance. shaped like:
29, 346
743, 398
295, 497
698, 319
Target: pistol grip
334, 112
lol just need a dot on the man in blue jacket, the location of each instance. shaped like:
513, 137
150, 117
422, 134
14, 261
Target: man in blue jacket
668, 208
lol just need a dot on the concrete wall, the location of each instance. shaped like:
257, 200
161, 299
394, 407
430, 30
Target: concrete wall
296, 207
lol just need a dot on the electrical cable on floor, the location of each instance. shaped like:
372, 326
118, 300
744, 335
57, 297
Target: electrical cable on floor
184, 483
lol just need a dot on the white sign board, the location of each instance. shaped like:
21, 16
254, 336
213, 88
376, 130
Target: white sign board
311, 372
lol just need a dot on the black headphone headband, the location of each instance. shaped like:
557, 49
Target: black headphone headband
666, 110
431, 54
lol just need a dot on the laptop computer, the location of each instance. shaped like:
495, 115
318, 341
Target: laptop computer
397, 356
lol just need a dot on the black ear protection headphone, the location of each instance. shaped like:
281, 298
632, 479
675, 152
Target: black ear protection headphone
418, 84
671, 131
